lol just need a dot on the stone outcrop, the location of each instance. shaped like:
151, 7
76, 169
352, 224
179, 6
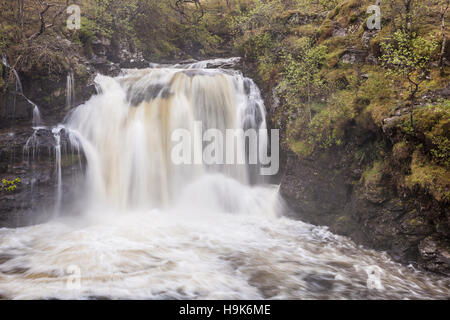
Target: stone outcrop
372, 208
375, 214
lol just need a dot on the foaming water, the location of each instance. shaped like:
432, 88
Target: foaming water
126, 131
148, 229
70, 90
201, 254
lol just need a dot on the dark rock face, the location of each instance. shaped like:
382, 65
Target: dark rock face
33, 201
434, 253
319, 196
109, 56
410, 227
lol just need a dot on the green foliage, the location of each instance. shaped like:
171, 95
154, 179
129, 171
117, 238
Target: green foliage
374, 174
433, 122
162, 32
319, 95
301, 78
376, 88
369, 152
88, 30
319, 4
253, 26
10, 185
301, 148
376, 95
31, 44
267, 69
261, 14
401, 151
45, 56
441, 150
256, 46
8, 33
327, 128
432, 178
407, 15
408, 56
114, 16
301, 81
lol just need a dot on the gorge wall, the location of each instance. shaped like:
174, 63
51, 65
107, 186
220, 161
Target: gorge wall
354, 164
29, 154
375, 183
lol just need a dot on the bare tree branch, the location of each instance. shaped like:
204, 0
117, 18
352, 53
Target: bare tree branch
42, 16
181, 8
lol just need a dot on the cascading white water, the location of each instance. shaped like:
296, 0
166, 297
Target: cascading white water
70, 90
152, 229
57, 135
19, 90
126, 131
36, 116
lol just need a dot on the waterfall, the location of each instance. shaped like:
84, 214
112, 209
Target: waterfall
33, 143
31, 154
36, 121
149, 226
57, 134
5, 60
19, 88
70, 90
126, 130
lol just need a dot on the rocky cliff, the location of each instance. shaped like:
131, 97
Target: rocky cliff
28, 153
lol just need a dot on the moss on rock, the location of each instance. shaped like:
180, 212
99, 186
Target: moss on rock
432, 178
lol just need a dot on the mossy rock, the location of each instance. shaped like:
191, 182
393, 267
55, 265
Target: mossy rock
326, 30
373, 175
308, 30
301, 148
401, 151
433, 179
432, 130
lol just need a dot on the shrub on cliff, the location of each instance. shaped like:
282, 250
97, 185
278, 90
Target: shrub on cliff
408, 56
432, 131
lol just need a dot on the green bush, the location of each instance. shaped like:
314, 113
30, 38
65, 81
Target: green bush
433, 122
10, 185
